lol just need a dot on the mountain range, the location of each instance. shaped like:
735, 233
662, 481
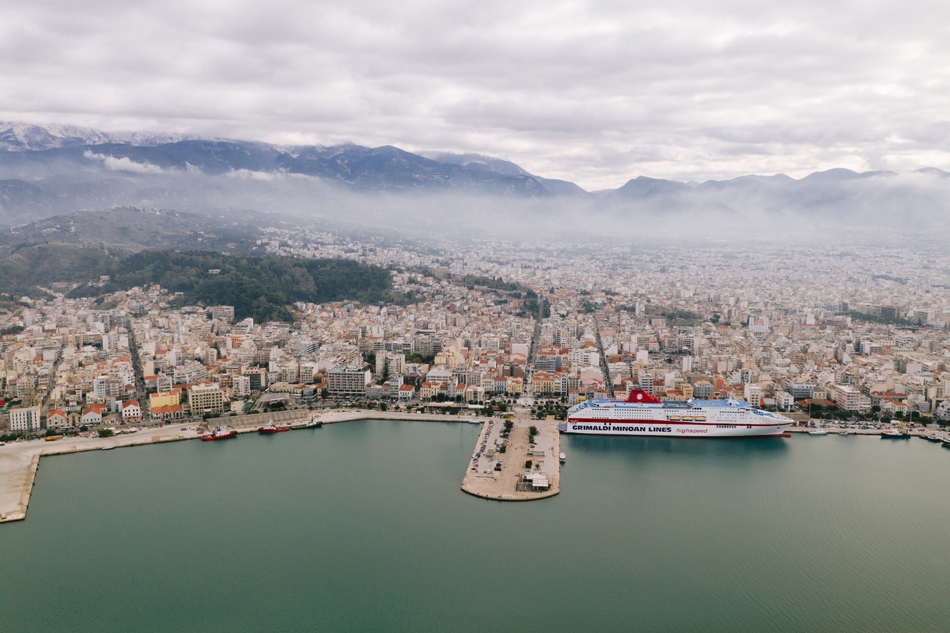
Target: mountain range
52, 170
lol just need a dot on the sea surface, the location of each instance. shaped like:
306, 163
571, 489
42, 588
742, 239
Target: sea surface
361, 526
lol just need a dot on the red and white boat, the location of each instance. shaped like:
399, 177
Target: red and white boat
220, 433
646, 415
270, 428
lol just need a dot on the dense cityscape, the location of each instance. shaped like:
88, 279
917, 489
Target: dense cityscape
825, 333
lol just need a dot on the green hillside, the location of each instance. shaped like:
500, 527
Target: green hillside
45, 264
258, 287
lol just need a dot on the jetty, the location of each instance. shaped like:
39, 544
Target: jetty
525, 471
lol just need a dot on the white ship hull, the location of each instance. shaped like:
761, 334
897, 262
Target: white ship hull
644, 415
668, 429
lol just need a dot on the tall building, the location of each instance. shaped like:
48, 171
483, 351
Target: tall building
847, 397
348, 381
25, 420
242, 386
225, 313
258, 377
206, 399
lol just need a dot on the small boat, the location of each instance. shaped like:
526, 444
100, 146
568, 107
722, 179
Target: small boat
107, 448
894, 434
818, 432
270, 428
562, 457
845, 433
220, 433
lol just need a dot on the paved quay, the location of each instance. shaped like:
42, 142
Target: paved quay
19, 461
944, 435
508, 484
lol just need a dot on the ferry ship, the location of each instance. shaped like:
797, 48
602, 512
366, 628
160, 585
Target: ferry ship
645, 415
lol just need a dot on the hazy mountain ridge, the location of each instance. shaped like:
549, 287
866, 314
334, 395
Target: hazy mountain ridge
28, 137
875, 198
390, 187
383, 169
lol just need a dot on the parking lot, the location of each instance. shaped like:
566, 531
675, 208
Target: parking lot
488, 454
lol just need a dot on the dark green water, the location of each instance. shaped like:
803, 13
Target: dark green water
362, 527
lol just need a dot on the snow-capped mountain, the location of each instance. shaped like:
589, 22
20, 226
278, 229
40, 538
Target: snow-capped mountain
18, 137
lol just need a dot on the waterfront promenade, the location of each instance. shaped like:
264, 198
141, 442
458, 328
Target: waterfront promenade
19, 461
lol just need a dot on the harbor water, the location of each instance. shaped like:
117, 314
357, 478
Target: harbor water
361, 526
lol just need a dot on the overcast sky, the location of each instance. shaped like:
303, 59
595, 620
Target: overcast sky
594, 92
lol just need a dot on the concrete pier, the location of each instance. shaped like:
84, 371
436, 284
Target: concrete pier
509, 484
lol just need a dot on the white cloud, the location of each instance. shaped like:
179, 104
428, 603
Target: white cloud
247, 174
596, 92
123, 164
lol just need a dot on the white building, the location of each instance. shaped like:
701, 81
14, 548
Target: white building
847, 397
348, 381
131, 411
753, 394
25, 420
242, 386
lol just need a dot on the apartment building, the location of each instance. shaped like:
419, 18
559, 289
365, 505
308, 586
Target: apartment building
25, 420
348, 381
206, 399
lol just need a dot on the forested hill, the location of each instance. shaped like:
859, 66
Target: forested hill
258, 287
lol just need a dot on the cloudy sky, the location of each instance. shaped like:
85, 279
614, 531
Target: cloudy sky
595, 92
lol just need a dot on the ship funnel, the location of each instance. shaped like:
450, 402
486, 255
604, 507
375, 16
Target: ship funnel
642, 396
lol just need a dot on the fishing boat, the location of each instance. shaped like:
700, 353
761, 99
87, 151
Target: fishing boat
220, 433
894, 434
270, 428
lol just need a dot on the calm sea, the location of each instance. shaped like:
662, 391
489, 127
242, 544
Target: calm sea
362, 527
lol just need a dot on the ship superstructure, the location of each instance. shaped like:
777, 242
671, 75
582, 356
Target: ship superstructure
644, 414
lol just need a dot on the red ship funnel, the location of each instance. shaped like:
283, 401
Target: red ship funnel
642, 396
